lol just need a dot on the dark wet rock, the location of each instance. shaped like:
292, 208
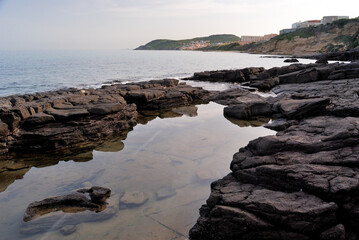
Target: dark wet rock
291, 60
247, 111
97, 194
240, 75
10, 118
37, 119
312, 162
67, 222
302, 76
4, 129
133, 199
299, 108
265, 84
301, 183
322, 59
350, 55
72, 118
66, 114
334, 233
22, 111
69, 203
242, 104
107, 108
280, 124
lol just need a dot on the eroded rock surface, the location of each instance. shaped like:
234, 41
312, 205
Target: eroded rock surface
70, 203
64, 213
64, 119
303, 182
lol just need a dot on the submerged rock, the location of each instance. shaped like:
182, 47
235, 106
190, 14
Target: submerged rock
133, 199
65, 212
68, 203
291, 60
164, 193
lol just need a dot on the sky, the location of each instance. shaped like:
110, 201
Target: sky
126, 24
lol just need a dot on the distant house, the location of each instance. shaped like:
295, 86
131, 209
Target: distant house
308, 23
312, 23
330, 19
287, 30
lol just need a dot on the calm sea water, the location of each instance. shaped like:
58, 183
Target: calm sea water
28, 72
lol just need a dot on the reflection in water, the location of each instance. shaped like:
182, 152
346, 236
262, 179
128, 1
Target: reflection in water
255, 122
158, 180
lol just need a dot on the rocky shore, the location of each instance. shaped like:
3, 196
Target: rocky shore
301, 183
73, 119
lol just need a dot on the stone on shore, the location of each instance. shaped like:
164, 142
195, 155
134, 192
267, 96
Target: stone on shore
291, 60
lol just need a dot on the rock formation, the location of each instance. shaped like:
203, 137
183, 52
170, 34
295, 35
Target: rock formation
72, 118
67, 211
301, 183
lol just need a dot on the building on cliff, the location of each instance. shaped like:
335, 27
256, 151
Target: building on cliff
308, 23
330, 19
312, 23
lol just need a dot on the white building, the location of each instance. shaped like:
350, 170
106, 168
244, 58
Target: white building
308, 23
330, 19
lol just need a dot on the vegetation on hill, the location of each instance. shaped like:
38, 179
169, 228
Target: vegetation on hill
165, 44
338, 36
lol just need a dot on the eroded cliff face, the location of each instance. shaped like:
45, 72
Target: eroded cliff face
328, 40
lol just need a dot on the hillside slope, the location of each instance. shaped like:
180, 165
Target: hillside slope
338, 36
166, 44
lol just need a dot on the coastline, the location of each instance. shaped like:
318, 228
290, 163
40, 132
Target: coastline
315, 113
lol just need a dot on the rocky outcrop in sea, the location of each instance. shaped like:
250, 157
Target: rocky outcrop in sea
301, 183
74, 119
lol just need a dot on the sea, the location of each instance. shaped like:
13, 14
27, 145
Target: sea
23, 72
164, 166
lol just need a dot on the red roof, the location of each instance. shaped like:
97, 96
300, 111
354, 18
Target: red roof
314, 21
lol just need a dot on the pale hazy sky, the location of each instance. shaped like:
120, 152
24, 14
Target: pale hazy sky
118, 24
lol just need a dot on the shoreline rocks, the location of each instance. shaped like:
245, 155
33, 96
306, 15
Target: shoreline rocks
301, 183
64, 119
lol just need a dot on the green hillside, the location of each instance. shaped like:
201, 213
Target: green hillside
340, 35
165, 44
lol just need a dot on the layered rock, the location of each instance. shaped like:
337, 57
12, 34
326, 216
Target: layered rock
65, 212
301, 183
59, 120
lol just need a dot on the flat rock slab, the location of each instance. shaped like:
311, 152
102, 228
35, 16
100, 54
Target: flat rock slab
38, 119
103, 109
64, 213
72, 118
67, 113
69, 203
298, 108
